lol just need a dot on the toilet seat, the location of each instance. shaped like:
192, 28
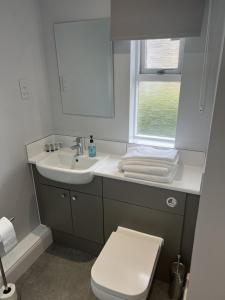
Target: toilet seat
126, 265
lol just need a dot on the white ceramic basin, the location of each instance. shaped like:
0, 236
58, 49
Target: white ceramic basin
65, 167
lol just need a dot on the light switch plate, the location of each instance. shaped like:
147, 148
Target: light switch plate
24, 89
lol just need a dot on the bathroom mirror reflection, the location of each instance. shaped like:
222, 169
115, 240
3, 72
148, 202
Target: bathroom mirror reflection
85, 65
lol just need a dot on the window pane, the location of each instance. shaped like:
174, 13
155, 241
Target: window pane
157, 108
162, 54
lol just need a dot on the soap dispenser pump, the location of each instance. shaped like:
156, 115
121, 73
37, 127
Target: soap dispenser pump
91, 147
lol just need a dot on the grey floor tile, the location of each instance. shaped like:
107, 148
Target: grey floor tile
64, 274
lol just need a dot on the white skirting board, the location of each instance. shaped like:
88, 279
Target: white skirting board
26, 252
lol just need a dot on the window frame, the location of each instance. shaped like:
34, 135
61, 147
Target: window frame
137, 75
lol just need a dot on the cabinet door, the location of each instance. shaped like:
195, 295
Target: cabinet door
55, 209
87, 215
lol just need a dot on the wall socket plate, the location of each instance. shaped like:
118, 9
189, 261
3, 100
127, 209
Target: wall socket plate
24, 89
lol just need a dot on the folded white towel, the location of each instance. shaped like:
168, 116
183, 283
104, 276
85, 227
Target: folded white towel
167, 155
161, 179
148, 162
149, 170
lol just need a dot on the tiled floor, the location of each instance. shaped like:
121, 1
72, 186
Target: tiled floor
64, 274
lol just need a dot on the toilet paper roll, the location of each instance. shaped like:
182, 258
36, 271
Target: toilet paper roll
7, 235
12, 295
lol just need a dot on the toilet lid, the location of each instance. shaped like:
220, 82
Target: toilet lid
126, 264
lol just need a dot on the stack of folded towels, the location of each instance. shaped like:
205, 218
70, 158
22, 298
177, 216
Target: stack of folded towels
152, 164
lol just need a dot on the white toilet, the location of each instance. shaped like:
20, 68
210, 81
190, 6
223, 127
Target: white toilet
126, 265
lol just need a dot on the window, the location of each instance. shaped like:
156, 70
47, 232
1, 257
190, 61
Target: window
156, 89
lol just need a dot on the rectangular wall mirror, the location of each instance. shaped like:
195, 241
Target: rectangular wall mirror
85, 64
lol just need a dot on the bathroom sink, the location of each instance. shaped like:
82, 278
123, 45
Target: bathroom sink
67, 168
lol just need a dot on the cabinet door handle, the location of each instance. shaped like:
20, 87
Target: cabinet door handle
63, 195
74, 198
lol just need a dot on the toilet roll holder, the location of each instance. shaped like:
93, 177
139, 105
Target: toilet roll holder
5, 283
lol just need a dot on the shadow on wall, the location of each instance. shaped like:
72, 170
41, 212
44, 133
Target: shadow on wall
17, 199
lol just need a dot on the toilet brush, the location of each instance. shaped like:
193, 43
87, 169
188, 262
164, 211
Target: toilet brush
8, 291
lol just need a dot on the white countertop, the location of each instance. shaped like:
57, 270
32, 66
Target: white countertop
188, 178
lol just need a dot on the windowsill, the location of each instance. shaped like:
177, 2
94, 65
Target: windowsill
155, 143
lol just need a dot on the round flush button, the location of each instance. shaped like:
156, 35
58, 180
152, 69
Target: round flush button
171, 202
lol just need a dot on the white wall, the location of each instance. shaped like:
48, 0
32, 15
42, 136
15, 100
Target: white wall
21, 56
208, 262
115, 129
193, 126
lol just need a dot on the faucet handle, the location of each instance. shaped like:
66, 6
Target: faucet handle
78, 139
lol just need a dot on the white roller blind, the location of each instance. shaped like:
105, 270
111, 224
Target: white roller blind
149, 19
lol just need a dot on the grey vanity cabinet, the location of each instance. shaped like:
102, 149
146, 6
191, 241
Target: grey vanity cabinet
87, 214
54, 207
73, 212
84, 216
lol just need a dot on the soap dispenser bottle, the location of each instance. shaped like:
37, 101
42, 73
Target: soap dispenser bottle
91, 147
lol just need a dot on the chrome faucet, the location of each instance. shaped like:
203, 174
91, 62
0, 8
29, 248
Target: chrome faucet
78, 146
